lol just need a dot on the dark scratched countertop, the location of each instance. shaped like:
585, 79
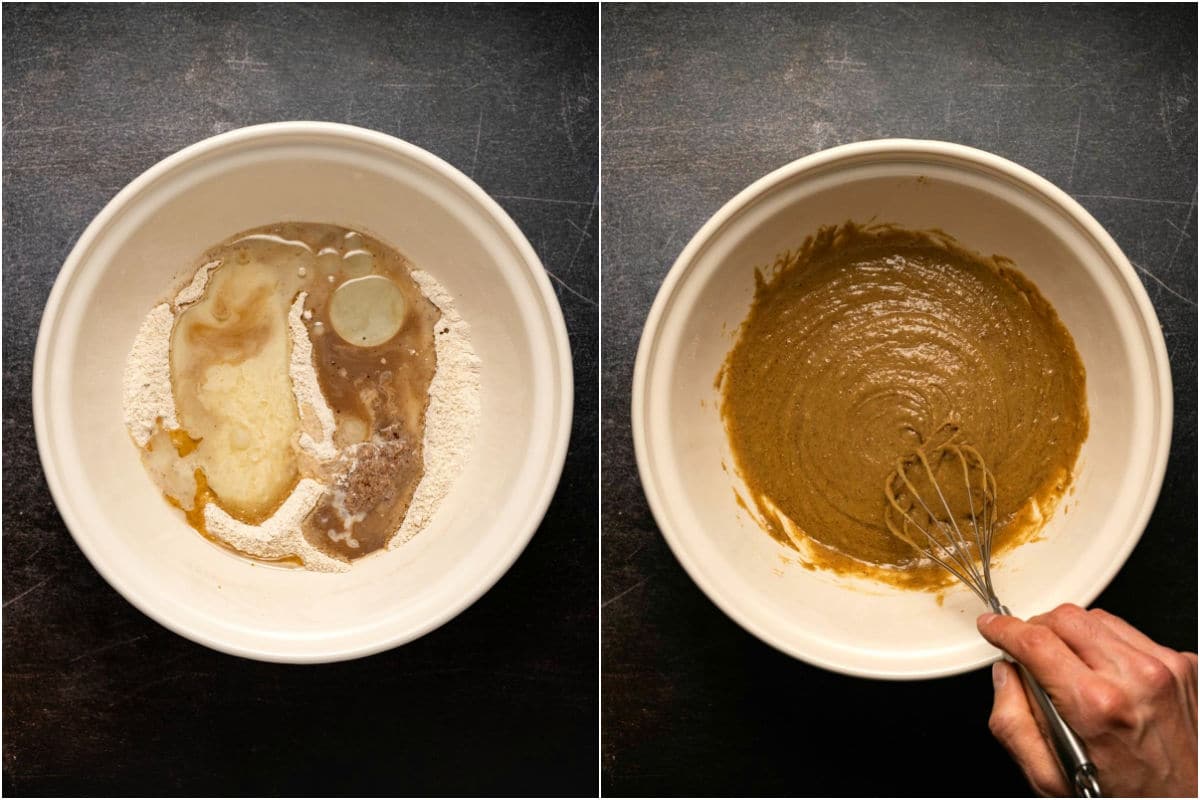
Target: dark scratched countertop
701, 101
99, 699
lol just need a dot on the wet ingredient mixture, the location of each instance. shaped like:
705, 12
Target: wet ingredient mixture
869, 342
281, 400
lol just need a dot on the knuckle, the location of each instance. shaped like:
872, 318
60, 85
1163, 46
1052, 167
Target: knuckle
1182, 666
1068, 611
1156, 676
1107, 702
1001, 724
1039, 636
1067, 617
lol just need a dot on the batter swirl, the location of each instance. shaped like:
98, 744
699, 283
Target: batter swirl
861, 346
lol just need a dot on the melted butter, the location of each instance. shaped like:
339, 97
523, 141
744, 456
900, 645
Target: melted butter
861, 346
184, 444
204, 495
233, 395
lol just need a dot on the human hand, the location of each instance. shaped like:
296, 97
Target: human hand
1131, 701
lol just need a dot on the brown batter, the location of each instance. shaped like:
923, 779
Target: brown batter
865, 344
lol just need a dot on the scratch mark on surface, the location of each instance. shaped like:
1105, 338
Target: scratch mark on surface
38, 549
564, 111
1159, 281
570, 288
667, 244
245, 62
1179, 240
1075, 149
39, 57
304, 13
152, 684
103, 648
1132, 199
30, 590
543, 200
116, 53
618, 114
1170, 345
847, 64
1162, 114
1176, 227
647, 129
612, 600
639, 549
1012, 85
9, 119
651, 53
475, 155
586, 224
576, 227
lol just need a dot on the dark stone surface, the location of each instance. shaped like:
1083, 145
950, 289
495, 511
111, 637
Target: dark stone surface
698, 102
98, 699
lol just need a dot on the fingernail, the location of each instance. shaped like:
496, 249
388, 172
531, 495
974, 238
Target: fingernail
999, 675
986, 619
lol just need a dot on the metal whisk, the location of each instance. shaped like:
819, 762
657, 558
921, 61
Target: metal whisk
965, 551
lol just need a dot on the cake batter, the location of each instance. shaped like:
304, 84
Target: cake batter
869, 342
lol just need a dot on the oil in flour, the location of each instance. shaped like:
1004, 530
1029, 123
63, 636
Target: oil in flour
301, 359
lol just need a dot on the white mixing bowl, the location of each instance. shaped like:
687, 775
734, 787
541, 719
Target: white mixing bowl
141, 245
992, 206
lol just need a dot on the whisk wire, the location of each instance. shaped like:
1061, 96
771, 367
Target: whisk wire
961, 548
954, 548
988, 509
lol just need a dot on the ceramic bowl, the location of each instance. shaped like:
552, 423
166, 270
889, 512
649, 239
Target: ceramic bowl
991, 206
139, 249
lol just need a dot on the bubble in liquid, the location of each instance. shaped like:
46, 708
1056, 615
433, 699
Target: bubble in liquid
358, 263
367, 311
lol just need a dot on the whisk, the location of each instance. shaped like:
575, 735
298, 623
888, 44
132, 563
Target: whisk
933, 529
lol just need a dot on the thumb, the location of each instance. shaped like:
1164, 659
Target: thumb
1013, 724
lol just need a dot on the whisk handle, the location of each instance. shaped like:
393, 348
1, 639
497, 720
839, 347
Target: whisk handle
1079, 770
1072, 757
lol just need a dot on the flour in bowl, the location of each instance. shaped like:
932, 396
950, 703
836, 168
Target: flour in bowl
309, 397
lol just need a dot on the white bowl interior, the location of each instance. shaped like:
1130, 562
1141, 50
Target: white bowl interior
140, 248
864, 627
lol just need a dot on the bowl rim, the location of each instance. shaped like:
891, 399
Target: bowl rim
886, 149
268, 134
